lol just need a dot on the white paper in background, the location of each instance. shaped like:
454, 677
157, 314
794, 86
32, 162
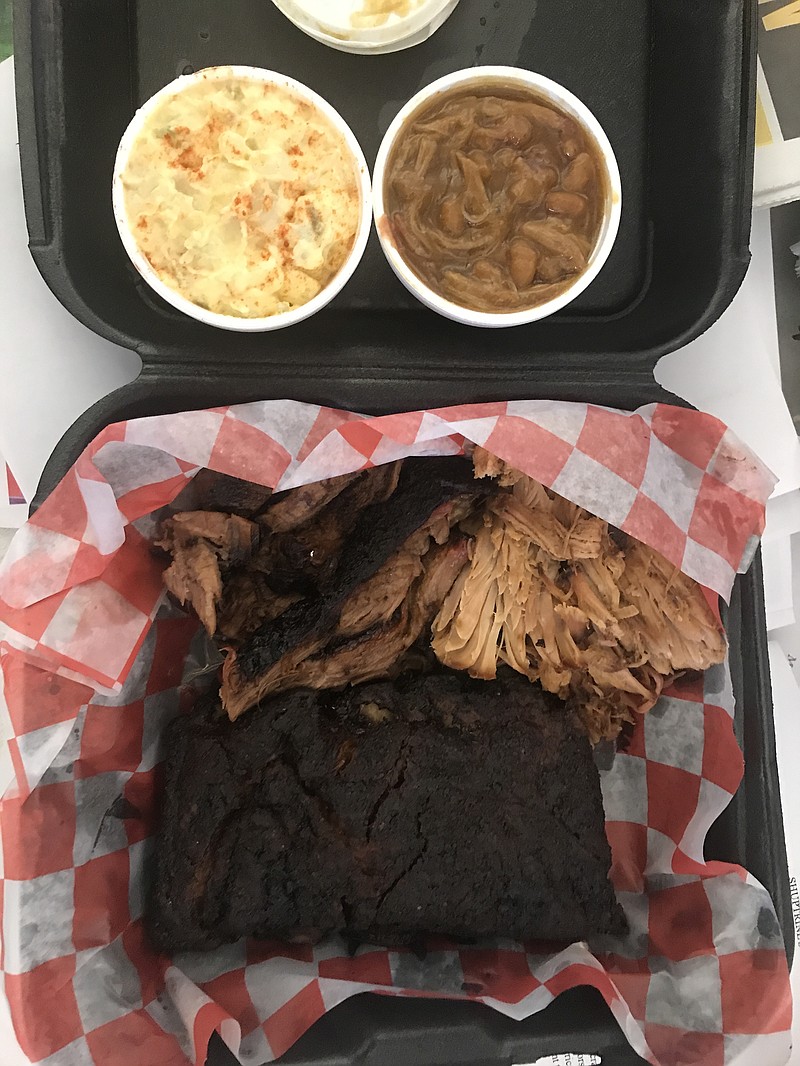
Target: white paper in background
783, 516
12, 517
733, 370
776, 556
786, 700
781, 589
51, 367
777, 167
788, 635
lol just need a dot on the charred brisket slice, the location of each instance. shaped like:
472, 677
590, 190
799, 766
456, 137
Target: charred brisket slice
381, 530
288, 510
237, 572
302, 556
377, 626
211, 491
389, 811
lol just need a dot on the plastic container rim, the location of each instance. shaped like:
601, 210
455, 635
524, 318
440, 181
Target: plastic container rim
407, 31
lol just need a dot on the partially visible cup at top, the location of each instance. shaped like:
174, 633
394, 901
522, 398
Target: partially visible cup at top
242, 198
497, 196
368, 27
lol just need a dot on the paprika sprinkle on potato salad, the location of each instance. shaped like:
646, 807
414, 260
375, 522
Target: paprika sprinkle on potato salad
242, 196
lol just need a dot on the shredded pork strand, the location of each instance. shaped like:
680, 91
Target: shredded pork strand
202, 544
549, 592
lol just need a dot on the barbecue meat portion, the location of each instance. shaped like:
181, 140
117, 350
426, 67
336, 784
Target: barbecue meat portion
329, 583
377, 626
203, 545
395, 568
239, 572
434, 804
560, 596
424, 486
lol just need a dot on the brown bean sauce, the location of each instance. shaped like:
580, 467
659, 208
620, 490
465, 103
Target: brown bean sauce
495, 199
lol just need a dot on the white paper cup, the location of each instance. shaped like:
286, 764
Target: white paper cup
329, 22
563, 100
172, 296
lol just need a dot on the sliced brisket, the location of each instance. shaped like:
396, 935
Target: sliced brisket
221, 563
203, 545
381, 530
370, 643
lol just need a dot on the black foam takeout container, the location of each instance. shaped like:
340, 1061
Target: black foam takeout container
672, 81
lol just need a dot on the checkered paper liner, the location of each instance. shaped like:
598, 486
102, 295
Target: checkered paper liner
95, 663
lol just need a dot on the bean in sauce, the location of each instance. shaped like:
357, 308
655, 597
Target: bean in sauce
495, 199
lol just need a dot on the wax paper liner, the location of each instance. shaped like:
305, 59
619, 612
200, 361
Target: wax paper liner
96, 662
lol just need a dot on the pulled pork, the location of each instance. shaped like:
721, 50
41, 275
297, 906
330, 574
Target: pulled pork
204, 544
335, 583
549, 591
239, 572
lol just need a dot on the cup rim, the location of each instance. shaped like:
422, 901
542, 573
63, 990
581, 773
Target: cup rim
370, 39
565, 100
176, 299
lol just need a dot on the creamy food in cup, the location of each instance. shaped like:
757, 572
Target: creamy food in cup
368, 27
243, 193
497, 200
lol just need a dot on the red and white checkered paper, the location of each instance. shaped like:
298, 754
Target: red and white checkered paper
96, 662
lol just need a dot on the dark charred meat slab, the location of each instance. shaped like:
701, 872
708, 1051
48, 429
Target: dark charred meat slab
381, 530
396, 607
387, 812
211, 491
294, 508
